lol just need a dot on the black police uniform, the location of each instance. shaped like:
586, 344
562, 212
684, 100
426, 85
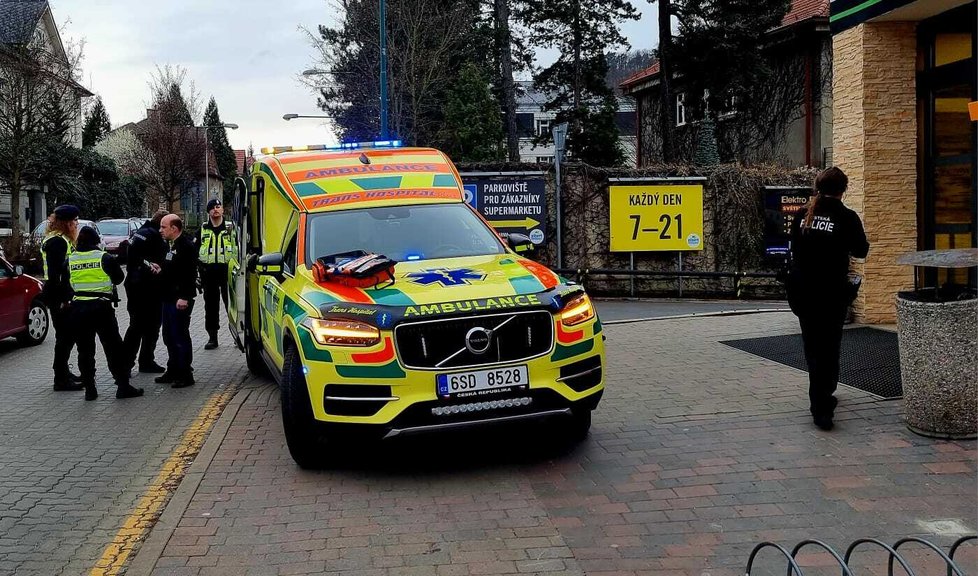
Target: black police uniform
144, 299
819, 293
93, 314
213, 244
57, 295
179, 282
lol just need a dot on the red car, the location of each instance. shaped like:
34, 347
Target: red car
116, 233
22, 313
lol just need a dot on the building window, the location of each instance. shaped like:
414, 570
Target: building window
545, 159
681, 109
543, 127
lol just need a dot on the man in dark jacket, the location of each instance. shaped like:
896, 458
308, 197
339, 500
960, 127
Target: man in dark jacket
823, 238
94, 275
55, 248
147, 249
215, 243
179, 284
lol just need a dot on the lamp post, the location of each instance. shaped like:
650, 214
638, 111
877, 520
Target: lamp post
207, 168
291, 116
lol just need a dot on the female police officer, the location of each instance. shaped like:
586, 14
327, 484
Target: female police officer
94, 274
823, 237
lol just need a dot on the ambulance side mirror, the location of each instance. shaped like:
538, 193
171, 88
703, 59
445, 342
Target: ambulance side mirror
269, 264
519, 243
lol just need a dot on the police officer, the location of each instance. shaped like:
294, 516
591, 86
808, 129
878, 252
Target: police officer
93, 274
215, 245
147, 248
823, 237
179, 283
55, 249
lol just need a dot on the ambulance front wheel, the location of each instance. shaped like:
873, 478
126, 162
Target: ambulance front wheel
302, 435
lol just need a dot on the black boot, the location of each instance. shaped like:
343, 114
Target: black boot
66, 384
151, 368
74, 378
168, 377
91, 393
212, 343
185, 380
127, 390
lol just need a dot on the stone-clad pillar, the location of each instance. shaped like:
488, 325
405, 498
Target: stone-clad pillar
875, 142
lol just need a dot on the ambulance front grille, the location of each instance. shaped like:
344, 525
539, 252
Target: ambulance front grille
441, 344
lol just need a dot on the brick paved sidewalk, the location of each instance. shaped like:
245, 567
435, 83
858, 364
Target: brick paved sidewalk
71, 471
698, 451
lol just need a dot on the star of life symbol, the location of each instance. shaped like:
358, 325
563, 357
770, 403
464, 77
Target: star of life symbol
445, 277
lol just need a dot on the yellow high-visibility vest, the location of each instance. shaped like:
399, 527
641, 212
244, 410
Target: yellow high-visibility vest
215, 248
44, 252
88, 279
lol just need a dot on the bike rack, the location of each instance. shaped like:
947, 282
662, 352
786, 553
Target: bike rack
843, 560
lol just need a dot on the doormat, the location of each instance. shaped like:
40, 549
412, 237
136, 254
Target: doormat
870, 358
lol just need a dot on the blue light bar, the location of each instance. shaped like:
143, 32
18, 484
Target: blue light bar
343, 146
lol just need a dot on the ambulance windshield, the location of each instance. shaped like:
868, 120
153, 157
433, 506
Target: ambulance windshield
402, 233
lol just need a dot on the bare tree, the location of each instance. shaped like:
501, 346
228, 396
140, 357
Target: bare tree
172, 150
39, 100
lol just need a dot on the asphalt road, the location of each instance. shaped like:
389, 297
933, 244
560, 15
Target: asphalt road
629, 309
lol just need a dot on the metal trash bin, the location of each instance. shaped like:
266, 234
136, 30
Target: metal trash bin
937, 327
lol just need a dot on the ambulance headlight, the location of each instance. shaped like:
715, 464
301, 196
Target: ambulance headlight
577, 310
342, 332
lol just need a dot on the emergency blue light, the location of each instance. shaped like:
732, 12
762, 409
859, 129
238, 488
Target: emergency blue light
414, 257
343, 146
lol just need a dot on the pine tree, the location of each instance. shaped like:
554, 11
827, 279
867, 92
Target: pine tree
217, 138
473, 129
583, 31
97, 124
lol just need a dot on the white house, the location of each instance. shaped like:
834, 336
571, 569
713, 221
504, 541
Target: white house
532, 120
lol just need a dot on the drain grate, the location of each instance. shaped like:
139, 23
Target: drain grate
870, 358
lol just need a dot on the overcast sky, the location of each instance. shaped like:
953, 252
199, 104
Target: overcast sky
246, 53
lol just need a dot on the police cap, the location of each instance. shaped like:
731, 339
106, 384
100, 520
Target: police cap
213, 203
66, 212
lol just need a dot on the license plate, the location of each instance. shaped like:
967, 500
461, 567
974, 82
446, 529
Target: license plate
482, 382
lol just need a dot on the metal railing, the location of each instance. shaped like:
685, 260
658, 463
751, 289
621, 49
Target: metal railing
844, 559
581, 275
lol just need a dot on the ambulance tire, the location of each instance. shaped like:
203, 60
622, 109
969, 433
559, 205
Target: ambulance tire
301, 432
579, 425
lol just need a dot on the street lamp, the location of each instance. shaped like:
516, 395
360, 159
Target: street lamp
290, 116
207, 168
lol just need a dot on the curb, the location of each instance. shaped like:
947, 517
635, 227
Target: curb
698, 315
151, 549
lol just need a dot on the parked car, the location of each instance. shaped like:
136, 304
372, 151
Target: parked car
42, 228
116, 233
22, 313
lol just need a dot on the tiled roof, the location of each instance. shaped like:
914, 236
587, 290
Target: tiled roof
18, 19
800, 11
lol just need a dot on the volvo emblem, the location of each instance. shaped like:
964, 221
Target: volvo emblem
478, 339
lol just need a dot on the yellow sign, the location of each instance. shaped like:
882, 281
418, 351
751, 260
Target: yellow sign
656, 217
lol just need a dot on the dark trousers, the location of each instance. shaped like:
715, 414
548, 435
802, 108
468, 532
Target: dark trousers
64, 339
145, 320
176, 336
215, 280
93, 318
821, 331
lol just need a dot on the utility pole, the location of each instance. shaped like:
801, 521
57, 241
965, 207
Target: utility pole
504, 38
384, 135
667, 114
